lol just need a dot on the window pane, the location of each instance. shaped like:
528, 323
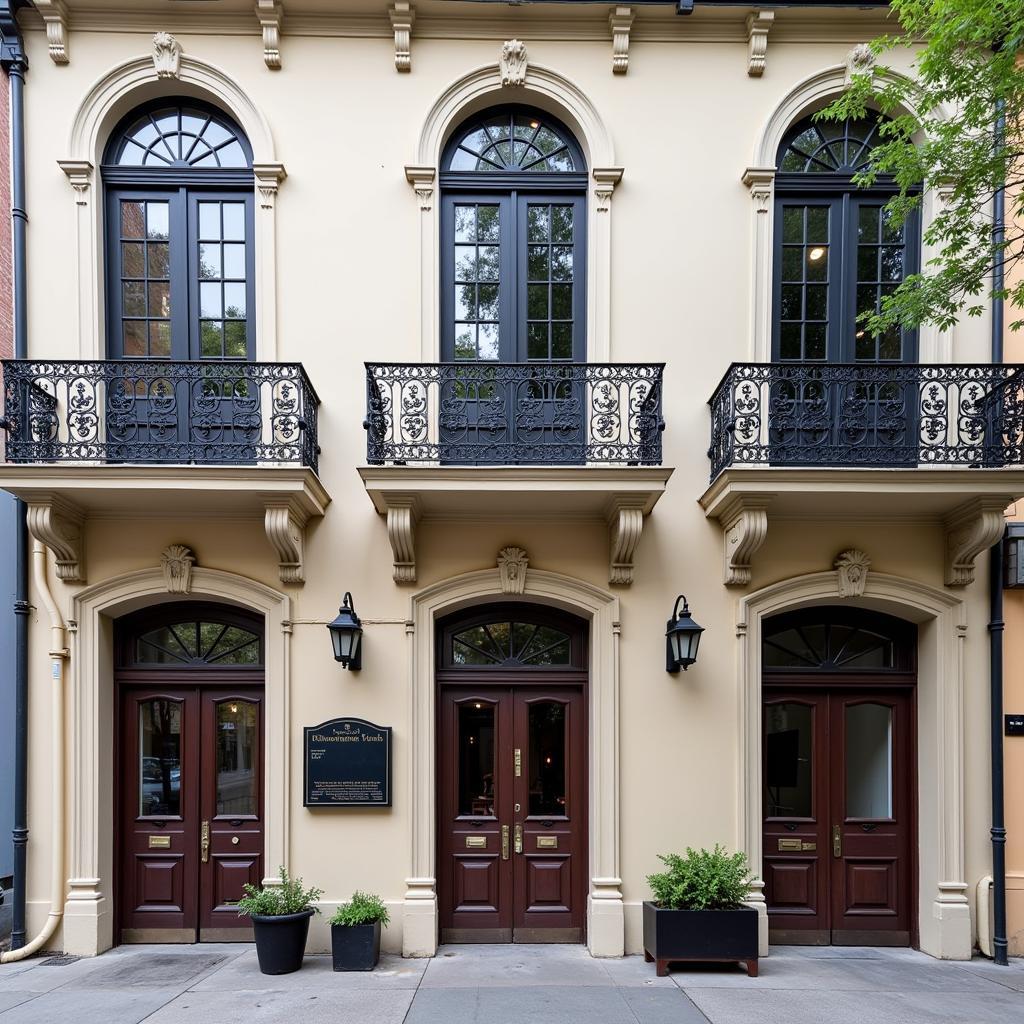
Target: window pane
160, 339
234, 261
476, 759
209, 260
159, 758
209, 221
236, 758
868, 761
133, 259
234, 221
210, 300
234, 300
157, 221
788, 739
547, 759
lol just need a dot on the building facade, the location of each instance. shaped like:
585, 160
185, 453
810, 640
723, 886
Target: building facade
509, 323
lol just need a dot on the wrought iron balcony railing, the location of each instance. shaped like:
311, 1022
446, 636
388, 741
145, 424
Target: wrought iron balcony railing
867, 415
156, 411
539, 414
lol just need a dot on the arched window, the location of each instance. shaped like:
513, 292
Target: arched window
179, 185
513, 240
837, 252
190, 636
837, 640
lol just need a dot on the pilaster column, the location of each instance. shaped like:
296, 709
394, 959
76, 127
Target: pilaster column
599, 281
80, 175
422, 181
268, 181
761, 182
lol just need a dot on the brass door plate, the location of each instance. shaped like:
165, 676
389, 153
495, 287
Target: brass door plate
476, 842
547, 842
790, 845
808, 846
159, 842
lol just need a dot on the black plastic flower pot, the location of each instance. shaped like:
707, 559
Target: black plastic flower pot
281, 940
355, 947
701, 935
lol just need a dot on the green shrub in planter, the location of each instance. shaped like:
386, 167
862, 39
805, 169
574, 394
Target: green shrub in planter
697, 912
280, 921
355, 932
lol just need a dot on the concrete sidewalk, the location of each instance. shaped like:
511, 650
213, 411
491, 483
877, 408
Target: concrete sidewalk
509, 985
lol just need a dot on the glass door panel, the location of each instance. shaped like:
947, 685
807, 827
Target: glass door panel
236, 742
868, 761
546, 744
788, 773
476, 735
159, 762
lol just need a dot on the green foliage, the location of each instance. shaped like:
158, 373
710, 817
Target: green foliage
967, 64
364, 908
287, 898
702, 880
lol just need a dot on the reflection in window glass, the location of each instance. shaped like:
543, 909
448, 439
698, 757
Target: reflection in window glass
511, 643
159, 758
868, 761
787, 760
210, 643
476, 759
236, 758
547, 759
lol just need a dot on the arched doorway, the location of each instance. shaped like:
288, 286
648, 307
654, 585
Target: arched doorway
839, 777
512, 775
189, 791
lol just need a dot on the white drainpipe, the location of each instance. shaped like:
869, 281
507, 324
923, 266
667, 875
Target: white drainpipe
58, 656
985, 916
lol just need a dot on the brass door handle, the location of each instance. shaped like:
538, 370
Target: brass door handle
837, 841
204, 841
517, 761
504, 842
519, 839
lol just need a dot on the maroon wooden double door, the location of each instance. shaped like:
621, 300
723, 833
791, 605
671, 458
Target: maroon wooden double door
839, 814
191, 809
512, 812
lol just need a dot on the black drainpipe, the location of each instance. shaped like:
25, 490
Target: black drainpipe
15, 63
996, 625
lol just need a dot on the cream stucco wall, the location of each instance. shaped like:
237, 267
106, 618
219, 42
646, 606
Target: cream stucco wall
685, 123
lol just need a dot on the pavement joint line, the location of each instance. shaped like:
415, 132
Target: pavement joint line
416, 990
985, 977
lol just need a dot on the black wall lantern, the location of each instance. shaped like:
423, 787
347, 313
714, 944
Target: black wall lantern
682, 638
347, 635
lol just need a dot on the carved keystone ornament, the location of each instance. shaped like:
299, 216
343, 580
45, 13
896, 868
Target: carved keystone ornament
513, 62
852, 566
176, 562
512, 564
166, 55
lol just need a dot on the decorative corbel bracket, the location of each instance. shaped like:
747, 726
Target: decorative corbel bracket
745, 529
268, 181
422, 181
55, 17
269, 14
402, 515
58, 524
79, 175
620, 21
970, 529
402, 15
605, 180
286, 531
759, 24
761, 182
626, 524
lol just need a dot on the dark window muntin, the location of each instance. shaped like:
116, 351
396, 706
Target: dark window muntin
528, 614
513, 191
183, 188
900, 633
836, 190
130, 628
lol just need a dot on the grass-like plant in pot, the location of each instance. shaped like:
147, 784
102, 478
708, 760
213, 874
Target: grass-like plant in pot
355, 932
697, 912
280, 917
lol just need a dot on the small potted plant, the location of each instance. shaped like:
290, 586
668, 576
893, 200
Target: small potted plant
355, 932
280, 921
697, 912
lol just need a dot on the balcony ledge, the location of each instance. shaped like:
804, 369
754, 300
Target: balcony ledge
60, 497
969, 503
620, 496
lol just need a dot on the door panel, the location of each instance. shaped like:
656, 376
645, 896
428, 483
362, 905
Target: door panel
190, 769
512, 811
838, 772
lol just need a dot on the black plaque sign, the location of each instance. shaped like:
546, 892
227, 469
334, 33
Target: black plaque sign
347, 764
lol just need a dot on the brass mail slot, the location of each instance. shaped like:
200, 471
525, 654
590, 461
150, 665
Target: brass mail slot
790, 845
808, 846
476, 842
159, 842
547, 842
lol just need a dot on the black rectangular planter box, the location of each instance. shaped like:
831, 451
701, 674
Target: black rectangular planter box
703, 935
355, 947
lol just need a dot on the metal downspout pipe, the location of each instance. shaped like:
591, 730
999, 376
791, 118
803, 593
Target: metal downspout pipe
15, 63
996, 625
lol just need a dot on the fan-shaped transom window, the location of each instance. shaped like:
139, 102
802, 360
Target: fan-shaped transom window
201, 637
182, 136
834, 640
513, 637
513, 140
829, 147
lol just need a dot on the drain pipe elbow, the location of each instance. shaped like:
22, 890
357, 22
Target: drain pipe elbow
58, 658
